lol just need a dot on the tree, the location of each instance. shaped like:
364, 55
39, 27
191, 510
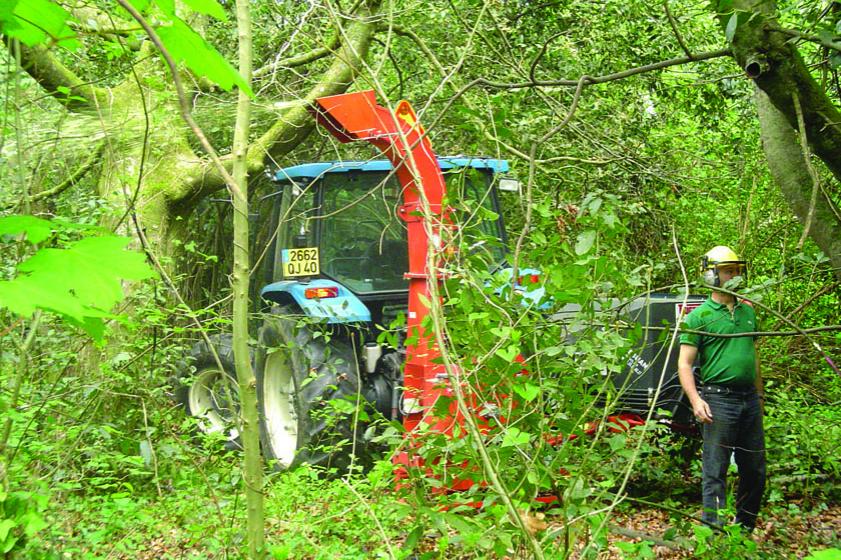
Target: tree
792, 107
163, 176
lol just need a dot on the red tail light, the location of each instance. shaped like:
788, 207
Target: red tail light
321, 293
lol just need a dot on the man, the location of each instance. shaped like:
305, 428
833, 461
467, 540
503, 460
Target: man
728, 404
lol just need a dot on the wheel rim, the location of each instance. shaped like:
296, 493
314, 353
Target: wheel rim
212, 399
281, 418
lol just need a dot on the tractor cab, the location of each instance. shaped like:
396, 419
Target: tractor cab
341, 250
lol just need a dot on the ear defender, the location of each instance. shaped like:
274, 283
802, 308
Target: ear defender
708, 274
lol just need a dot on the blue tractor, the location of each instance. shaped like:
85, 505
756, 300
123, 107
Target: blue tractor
331, 257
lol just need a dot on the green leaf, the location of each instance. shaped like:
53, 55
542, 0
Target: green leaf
80, 283
528, 391
730, 30
725, 6
617, 442
413, 538
8, 544
140, 5
514, 437
25, 294
146, 453
6, 525
424, 301
37, 21
209, 7
187, 46
36, 229
166, 6
508, 354
585, 241
553, 350
91, 269
7, 8
33, 523
825, 554
501, 332
578, 491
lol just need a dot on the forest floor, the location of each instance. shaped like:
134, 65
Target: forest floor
781, 534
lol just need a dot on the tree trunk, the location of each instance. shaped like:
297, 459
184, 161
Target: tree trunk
148, 164
787, 166
253, 460
768, 56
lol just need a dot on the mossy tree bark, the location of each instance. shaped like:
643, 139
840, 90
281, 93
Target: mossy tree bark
785, 160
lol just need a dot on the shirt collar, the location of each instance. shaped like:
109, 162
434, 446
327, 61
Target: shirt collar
716, 305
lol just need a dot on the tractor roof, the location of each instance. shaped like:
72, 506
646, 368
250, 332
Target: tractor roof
314, 170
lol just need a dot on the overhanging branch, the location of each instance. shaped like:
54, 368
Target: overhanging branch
301, 59
592, 80
58, 80
74, 177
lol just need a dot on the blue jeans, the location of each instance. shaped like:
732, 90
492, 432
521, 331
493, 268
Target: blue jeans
736, 427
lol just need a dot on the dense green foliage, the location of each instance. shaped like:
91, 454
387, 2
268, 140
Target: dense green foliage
646, 173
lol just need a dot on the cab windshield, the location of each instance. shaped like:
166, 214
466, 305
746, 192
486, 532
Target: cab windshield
362, 240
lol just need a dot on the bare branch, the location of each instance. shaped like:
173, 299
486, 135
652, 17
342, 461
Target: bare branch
74, 178
296, 123
807, 161
822, 41
590, 80
536, 61
673, 24
408, 33
300, 59
579, 83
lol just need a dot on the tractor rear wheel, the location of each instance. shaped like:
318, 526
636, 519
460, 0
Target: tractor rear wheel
209, 393
310, 399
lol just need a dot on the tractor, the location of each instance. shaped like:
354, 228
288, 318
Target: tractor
343, 249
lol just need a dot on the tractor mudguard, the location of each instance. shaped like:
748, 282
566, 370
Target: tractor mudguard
344, 307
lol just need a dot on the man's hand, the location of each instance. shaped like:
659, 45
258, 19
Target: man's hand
702, 412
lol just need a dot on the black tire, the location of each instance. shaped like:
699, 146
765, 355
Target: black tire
300, 381
209, 394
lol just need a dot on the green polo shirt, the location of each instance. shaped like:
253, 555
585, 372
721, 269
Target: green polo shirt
724, 361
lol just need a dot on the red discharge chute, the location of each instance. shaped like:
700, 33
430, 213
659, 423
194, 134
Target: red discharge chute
357, 116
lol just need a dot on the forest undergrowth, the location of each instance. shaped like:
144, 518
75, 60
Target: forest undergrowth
105, 473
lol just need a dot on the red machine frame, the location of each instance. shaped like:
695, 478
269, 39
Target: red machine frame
357, 116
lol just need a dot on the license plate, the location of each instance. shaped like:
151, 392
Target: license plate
300, 262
